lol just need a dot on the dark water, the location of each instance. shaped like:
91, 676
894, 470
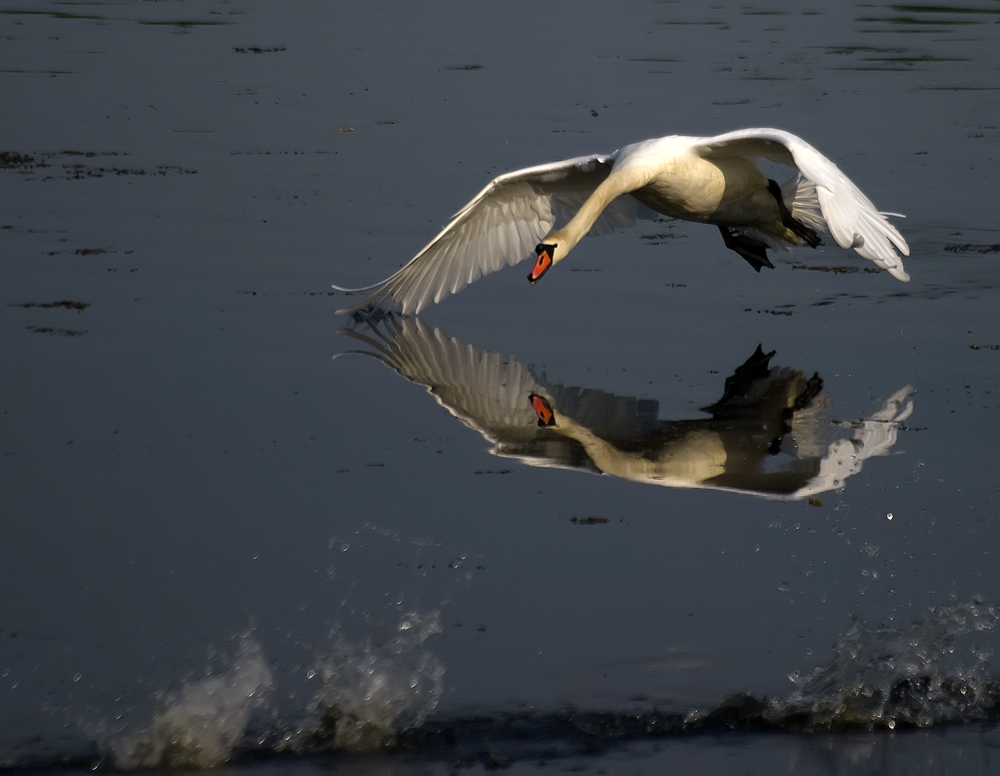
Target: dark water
220, 540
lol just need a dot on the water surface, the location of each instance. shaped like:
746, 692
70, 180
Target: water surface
220, 541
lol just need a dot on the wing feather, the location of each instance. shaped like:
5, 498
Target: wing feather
850, 216
499, 227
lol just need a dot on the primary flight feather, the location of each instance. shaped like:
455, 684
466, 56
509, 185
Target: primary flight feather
713, 180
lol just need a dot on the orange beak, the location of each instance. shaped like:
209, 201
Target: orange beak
543, 262
546, 417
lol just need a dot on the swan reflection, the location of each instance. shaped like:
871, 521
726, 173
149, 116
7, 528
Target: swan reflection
769, 435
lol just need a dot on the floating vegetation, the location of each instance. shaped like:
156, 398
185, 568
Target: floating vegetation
57, 332
65, 303
934, 19
37, 72
912, 60
592, 520
660, 238
182, 23
679, 22
840, 270
973, 248
775, 312
74, 169
942, 9
846, 50
258, 49
959, 88
915, 20
54, 14
10, 160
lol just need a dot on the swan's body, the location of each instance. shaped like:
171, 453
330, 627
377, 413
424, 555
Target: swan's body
713, 180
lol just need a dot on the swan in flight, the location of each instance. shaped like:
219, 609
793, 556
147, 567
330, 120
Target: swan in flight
712, 180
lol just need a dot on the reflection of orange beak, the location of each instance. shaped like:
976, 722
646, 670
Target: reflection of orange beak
546, 417
542, 263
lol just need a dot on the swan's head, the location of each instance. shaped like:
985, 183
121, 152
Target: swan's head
545, 257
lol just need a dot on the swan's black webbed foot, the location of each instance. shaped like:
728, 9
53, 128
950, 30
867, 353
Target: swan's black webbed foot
754, 251
800, 230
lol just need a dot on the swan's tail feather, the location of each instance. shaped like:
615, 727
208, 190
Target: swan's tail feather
881, 235
876, 244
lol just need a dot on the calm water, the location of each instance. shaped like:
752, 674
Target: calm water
221, 539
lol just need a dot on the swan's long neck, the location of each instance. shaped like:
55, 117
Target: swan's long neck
612, 187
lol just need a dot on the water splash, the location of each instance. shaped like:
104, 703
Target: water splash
379, 693
373, 691
885, 677
200, 725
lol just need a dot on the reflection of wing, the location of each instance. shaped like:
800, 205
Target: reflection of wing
873, 436
483, 390
500, 227
768, 434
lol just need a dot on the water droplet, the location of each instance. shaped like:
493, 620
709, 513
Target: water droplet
888, 515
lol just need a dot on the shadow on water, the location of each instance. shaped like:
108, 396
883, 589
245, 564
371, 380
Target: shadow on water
768, 435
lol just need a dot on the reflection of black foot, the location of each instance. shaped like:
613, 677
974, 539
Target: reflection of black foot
813, 386
800, 230
754, 251
546, 417
738, 384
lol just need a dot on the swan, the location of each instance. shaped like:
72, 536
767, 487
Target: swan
712, 180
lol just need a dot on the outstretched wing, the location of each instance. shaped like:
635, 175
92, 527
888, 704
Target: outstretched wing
500, 227
849, 215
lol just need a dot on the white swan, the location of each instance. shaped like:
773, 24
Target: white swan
712, 180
